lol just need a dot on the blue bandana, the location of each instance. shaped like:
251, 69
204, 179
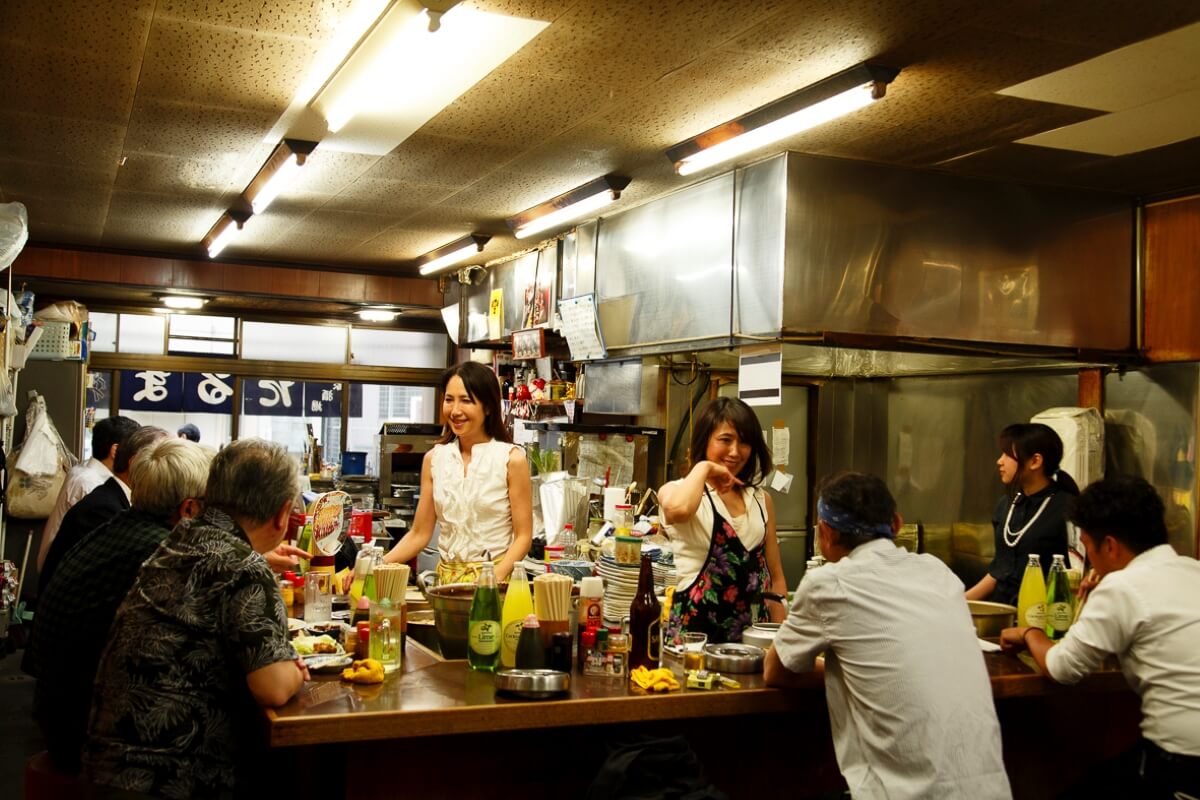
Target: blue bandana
845, 521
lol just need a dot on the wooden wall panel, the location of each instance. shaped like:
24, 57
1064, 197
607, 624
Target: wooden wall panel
1172, 285
344, 286
140, 270
296, 282
199, 275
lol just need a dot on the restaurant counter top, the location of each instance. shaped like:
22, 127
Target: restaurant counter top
432, 697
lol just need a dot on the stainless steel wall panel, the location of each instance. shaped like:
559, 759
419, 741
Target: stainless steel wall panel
761, 222
664, 269
887, 251
616, 387
579, 260
476, 299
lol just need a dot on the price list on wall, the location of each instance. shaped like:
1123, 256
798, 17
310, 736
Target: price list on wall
580, 326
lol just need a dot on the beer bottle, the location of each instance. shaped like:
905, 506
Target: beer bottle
645, 623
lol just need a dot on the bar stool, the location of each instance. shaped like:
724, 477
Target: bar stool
44, 782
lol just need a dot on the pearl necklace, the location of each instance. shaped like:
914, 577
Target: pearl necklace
1011, 538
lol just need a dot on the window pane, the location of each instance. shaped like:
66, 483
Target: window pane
281, 410
292, 433
97, 400
381, 403
274, 341
201, 325
183, 347
105, 328
397, 348
142, 333
215, 429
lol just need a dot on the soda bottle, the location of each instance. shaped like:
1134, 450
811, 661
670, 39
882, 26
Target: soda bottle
1060, 607
567, 539
518, 604
1031, 598
645, 622
483, 633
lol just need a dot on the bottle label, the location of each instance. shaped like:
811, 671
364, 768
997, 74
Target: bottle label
512, 635
593, 614
484, 637
1058, 616
654, 640
1036, 615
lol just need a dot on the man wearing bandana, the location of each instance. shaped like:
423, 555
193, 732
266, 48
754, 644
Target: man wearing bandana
910, 703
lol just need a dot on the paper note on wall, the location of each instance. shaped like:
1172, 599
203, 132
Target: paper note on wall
781, 443
496, 315
781, 481
760, 376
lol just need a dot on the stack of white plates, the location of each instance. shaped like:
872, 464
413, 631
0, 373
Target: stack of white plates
665, 575
620, 587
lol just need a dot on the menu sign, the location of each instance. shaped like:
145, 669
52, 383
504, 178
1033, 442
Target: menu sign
580, 326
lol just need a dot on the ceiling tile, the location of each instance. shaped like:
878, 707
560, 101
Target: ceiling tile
395, 198
1103, 24
49, 140
440, 161
173, 221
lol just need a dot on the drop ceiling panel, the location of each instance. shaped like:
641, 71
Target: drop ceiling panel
48, 139
441, 161
1156, 124
159, 218
397, 199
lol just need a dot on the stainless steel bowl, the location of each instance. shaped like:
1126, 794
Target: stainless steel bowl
733, 658
533, 684
991, 618
451, 606
760, 634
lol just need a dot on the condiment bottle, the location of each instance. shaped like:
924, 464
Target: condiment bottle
560, 651
483, 632
530, 653
617, 657
645, 621
1031, 597
591, 602
624, 519
587, 644
288, 592
362, 611
298, 597
1059, 605
518, 604
362, 646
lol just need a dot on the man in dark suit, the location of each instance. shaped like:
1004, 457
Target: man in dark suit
101, 504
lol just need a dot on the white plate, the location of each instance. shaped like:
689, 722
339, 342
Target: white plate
327, 662
296, 625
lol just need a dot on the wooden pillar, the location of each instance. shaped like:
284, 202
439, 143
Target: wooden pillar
1091, 388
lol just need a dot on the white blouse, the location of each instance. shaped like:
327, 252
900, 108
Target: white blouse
690, 539
472, 506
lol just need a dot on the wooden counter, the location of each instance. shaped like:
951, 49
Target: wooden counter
433, 711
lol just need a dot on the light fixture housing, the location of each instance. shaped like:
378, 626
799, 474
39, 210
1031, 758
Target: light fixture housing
825, 100
183, 301
449, 254
278, 173
377, 314
568, 206
223, 231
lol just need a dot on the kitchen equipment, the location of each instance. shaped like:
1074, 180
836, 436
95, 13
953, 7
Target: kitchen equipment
991, 618
733, 658
761, 634
532, 684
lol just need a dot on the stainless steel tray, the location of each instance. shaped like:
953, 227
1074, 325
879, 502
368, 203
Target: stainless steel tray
733, 658
534, 684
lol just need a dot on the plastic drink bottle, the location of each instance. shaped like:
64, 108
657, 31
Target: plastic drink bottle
518, 604
1060, 607
1031, 598
483, 633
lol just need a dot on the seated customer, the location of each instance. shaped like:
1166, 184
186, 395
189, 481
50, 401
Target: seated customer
200, 639
910, 704
76, 609
1145, 611
102, 503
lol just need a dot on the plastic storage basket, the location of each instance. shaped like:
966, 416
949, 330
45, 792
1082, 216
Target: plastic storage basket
55, 343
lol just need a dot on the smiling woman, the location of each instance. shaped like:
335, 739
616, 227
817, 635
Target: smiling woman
722, 526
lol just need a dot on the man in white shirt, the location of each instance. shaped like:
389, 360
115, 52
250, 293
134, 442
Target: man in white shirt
1146, 611
910, 703
107, 435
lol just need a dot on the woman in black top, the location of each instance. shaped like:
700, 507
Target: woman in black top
1033, 519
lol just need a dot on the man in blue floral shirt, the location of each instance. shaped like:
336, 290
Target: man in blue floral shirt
200, 640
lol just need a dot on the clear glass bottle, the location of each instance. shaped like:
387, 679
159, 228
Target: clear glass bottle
1060, 606
483, 633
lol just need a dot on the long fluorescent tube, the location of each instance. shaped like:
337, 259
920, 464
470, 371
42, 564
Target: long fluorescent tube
570, 205
223, 230
459, 250
183, 301
279, 172
836, 96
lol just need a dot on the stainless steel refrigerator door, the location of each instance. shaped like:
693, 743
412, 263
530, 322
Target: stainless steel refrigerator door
792, 554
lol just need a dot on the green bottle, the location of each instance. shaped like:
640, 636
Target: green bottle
1060, 606
484, 634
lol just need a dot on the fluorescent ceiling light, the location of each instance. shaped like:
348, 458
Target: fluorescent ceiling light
223, 232
459, 250
183, 301
278, 173
571, 205
809, 107
401, 74
376, 315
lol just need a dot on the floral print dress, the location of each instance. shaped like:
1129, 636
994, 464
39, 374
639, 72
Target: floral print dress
727, 590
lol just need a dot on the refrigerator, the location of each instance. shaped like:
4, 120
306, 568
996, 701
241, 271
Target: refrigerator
791, 507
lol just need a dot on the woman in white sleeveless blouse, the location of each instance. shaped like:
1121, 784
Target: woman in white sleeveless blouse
474, 482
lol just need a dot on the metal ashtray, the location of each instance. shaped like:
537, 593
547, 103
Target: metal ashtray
533, 684
733, 658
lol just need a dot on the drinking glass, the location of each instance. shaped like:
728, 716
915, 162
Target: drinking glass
318, 596
693, 650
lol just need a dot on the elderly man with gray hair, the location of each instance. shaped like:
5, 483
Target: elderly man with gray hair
78, 605
200, 638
